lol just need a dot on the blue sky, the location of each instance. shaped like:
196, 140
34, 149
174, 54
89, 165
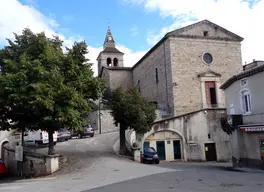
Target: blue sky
136, 24
130, 23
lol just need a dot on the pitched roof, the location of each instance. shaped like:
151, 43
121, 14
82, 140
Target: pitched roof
109, 39
114, 68
206, 73
177, 33
234, 36
111, 50
242, 75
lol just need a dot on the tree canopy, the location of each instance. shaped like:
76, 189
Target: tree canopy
43, 87
132, 111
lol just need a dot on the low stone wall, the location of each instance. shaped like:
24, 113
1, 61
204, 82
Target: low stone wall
34, 165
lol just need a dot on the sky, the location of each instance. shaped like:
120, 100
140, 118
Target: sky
136, 25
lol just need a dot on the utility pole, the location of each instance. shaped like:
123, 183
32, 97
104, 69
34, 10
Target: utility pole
99, 106
100, 126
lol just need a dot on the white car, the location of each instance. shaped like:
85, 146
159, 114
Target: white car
39, 137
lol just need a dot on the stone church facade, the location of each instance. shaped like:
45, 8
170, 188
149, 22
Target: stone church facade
182, 74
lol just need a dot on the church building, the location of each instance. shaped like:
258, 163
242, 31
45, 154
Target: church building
181, 74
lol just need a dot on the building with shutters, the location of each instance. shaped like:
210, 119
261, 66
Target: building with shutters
244, 96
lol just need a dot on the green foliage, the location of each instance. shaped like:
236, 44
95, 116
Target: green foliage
41, 87
131, 109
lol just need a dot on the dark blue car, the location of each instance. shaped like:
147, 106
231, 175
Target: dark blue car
150, 156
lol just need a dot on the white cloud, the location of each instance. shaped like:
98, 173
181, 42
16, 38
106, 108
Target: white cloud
134, 30
16, 16
242, 17
130, 57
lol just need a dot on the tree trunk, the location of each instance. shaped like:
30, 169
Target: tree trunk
122, 137
51, 143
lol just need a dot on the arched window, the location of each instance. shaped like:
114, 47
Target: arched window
115, 62
109, 61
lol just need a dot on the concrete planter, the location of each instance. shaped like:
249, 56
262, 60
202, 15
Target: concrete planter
34, 165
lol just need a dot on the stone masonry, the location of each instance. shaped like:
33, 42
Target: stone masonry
178, 58
107, 122
145, 74
175, 74
187, 64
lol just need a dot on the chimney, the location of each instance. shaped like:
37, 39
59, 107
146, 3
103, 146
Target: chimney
254, 60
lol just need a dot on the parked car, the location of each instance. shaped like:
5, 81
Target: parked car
86, 131
3, 169
150, 155
64, 135
38, 137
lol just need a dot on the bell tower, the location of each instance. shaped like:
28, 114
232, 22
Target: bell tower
110, 57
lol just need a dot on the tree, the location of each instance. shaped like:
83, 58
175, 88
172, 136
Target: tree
131, 111
44, 88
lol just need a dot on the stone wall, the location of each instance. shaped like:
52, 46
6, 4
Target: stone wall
246, 149
102, 59
144, 74
187, 63
120, 78
107, 122
34, 165
194, 129
178, 60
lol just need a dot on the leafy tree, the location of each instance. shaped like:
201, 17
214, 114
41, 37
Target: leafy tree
131, 111
41, 87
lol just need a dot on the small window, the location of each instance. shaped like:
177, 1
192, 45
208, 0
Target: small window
205, 33
139, 86
243, 82
157, 75
246, 102
207, 58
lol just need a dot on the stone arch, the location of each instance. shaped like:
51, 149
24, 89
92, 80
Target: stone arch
153, 132
109, 61
182, 139
2, 149
115, 62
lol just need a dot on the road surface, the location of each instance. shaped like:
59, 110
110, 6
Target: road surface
97, 165
96, 168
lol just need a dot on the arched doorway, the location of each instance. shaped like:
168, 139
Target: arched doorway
2, 150
168, 145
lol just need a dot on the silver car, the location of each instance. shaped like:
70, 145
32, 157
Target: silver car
64, 135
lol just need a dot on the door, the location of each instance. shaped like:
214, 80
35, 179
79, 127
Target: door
261, 145
145, 145
161, 150
213, 96
210, 152
177, 149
